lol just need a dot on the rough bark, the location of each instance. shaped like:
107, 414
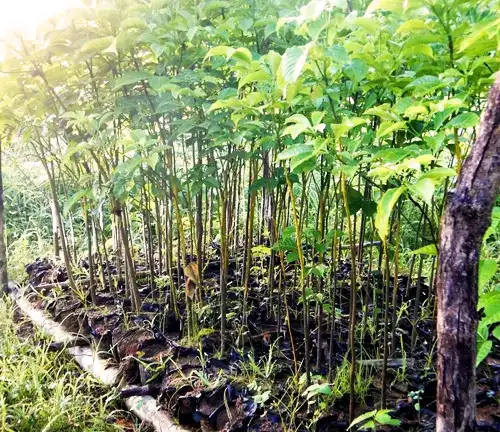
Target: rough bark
465, 220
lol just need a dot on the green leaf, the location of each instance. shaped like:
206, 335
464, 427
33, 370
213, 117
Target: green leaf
369, 24
496, 332
294, 130
482, 351
487, 269
191, 33
417, 49
95, 46
491, 313
292, 257
158, 49
347, 124
245, 24
426, 250
338, 53
384, 418
243, 55
475, 37
220, 50
464, 120
317, 116
261, 250
492, 318
495, 222
388, 5
438, 173
130, 78
211, 182
293, 62
311, 11
302, 162
299, 118
386, 128
316, 389
259, 76
357, 201
319, 270
295, 150
425, 84
74, 199
384, 114
489, 298
411, 26
482, 334
355, 70
133, 22
384, 209
362, 418
300, 125
153, 160
324, 389
424, 188
382, 173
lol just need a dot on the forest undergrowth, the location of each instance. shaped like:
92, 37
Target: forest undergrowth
239, 203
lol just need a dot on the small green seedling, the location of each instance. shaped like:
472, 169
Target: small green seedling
415, 397
374, 419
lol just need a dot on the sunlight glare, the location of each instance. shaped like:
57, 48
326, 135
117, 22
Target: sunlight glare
26, 15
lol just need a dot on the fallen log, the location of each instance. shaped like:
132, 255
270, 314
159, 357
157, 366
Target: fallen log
144, 407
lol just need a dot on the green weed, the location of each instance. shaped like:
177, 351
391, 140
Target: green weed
45, 391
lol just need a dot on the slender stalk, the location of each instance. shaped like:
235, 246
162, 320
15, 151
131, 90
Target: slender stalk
4, 277
305, 301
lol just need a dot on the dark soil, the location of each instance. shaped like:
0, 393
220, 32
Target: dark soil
203, 391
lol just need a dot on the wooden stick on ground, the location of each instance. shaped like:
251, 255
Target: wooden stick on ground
144, 407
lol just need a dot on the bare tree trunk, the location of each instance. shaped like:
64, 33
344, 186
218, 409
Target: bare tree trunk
465, 220
4, 277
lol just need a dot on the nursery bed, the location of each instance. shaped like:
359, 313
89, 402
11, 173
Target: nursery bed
175, 385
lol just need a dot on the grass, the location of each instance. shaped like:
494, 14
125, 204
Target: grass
45, 391
23, 250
